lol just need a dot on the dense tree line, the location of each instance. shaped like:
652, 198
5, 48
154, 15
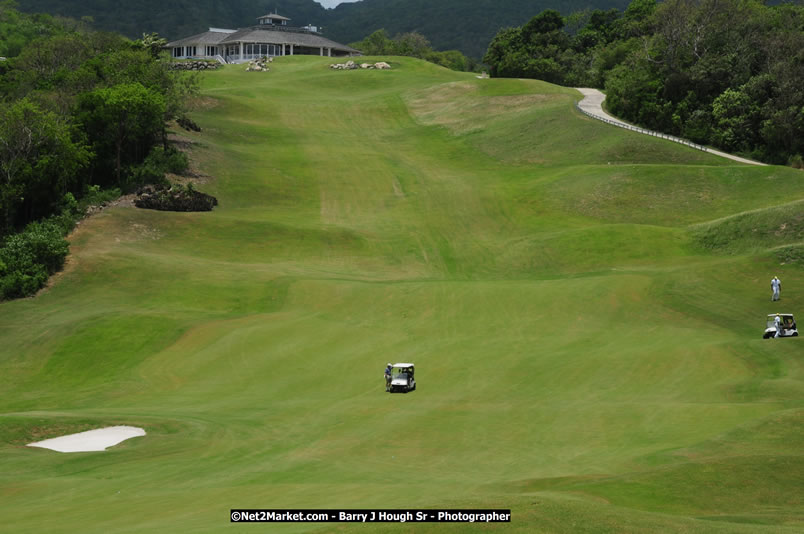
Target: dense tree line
412, 44
465, 25
721, 72
80, 111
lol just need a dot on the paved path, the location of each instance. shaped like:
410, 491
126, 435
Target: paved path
592, 105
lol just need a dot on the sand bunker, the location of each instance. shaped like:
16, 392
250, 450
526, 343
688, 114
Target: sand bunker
92, 440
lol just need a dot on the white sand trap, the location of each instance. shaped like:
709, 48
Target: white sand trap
92, 440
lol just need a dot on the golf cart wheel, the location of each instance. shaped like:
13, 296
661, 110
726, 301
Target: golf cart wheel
795, 334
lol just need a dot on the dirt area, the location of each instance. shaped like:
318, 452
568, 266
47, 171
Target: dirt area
193, 175
203, 103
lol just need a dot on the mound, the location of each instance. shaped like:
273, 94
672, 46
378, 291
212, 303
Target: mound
753, 230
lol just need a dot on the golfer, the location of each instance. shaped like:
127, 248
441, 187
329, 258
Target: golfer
776, 286
388, 376
777, 323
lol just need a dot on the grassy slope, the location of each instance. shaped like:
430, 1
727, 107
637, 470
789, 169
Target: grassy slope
582, 358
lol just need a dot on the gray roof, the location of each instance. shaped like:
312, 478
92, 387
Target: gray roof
262, 35
273, 16
206, 38
269, 36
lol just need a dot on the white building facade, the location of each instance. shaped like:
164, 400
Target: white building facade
270, 38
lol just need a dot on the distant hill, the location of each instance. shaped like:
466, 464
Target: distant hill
178, 18
465, 25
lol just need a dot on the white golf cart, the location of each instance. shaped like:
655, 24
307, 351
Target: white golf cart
402, 378
788, 326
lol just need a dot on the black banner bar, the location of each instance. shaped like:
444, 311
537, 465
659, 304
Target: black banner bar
397, 515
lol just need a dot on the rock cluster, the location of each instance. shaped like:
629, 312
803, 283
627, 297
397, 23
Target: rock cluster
259, 65
195, 65
351, 65
175, 198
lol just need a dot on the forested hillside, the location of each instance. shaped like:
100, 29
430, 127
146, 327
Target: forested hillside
719, 72
82, 116
465, 25
175, 20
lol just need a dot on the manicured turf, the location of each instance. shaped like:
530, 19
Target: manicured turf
584, 306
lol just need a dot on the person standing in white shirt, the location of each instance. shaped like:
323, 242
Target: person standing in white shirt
776, 286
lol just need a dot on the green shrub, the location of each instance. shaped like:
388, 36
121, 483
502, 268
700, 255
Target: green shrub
143, 174
173, 161
29, 257
95, 196
152, 170
17, 284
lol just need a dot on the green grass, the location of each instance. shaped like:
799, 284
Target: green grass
584, 357
754, 230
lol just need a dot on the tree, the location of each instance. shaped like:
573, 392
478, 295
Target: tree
412, 44
376, 44
152, 43
507, 41
122, 122
17, 30
546, 22
735, 115
39, 163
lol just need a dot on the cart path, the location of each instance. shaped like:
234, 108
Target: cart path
592, 105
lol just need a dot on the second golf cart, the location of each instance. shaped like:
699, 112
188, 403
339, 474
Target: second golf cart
788, 326
402, 378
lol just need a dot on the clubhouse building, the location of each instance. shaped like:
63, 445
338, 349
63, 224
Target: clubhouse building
272, 36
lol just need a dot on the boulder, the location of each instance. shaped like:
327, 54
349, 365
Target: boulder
382, 65
175, 198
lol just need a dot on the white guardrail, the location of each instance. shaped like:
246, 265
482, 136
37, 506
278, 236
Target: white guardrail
641, 130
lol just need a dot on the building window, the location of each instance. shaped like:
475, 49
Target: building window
211, 51
177, 52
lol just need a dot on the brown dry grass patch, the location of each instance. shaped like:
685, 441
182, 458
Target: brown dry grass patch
461, 108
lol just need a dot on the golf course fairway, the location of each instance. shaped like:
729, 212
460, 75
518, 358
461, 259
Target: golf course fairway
584, 306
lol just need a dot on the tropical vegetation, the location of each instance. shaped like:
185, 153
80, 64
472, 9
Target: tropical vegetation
413, 44
81, 110
720, 72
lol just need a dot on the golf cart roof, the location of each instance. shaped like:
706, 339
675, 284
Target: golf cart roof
403, 365
780, 314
